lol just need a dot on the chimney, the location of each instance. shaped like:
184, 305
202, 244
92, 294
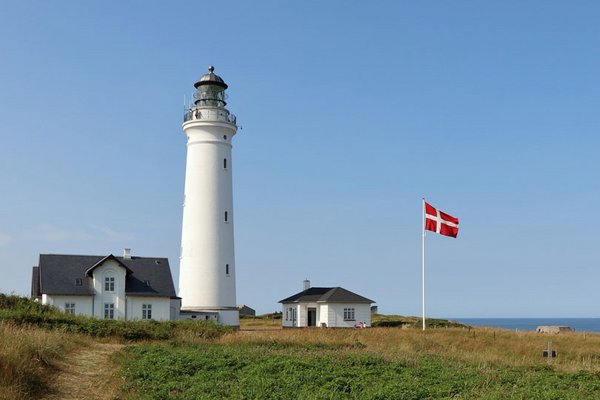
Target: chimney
127, 253
306, 284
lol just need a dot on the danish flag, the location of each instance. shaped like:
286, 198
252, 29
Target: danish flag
440, 222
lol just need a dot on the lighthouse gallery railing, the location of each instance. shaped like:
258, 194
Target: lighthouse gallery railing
209, 115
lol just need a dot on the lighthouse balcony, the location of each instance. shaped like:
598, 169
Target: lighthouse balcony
209, 115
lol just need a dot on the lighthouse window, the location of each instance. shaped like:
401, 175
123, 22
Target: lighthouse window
226, 220
224, 137
224, 163
226, 269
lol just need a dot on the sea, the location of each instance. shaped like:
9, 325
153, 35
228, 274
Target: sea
530, 324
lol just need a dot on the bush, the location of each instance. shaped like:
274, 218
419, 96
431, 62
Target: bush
388, 324
23, 311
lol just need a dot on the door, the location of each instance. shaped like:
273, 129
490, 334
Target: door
312, 316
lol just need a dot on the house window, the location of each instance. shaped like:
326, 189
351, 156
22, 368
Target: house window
109, 284
109, 310
286, 315
349, 314
147, 282
70, 308
226, 269
146, 311
78, 282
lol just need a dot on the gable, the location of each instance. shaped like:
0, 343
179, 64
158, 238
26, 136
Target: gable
104, 261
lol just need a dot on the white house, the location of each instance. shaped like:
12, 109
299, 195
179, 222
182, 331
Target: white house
333, 307
109, 287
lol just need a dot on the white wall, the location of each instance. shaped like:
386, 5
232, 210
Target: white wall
109, 268
161, 307
83, 304
289, 322
331, 314
207, 243
322, 315
175, 307
335, 317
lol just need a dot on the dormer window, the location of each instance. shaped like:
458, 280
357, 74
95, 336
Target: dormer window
109, 284
78, 282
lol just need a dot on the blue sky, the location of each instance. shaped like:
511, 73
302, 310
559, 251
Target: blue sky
350, 113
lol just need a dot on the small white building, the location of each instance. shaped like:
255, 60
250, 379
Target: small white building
332, 307
108, 287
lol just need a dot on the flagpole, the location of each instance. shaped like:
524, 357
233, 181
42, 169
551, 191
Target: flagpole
423, 261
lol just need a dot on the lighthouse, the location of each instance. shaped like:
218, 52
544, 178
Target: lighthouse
207, 261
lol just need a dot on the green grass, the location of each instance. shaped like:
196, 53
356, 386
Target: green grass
199, 360
379, 320
268, 371
33, 338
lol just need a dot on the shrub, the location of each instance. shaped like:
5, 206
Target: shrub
22, 311
388, 323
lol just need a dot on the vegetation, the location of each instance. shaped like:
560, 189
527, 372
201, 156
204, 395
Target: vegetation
265, 321
26, 355
384, 363
24, 312
389, 321
199, 360
34, 340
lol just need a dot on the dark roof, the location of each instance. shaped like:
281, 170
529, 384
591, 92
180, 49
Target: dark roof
210, 78
328, 295
147, 276
35, 282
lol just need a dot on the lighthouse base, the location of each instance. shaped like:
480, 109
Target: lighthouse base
225, 316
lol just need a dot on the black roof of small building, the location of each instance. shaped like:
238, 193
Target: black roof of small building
35, 283
326, 295
65, 274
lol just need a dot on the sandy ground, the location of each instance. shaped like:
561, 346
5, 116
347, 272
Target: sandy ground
87, 374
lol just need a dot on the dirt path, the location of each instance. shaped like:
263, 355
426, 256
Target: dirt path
87, 374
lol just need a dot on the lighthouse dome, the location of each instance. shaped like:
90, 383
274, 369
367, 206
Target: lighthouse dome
210, 78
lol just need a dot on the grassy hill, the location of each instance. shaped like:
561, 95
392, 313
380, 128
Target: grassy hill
35, 338
208, 362
273, 321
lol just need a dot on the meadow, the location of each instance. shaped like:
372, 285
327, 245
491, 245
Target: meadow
35, 339
378, 363
261, 361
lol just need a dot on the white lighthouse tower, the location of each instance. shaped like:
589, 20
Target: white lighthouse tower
207, 266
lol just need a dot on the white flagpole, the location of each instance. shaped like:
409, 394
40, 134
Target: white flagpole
423, 261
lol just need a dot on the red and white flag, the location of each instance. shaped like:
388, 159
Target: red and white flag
440, 222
